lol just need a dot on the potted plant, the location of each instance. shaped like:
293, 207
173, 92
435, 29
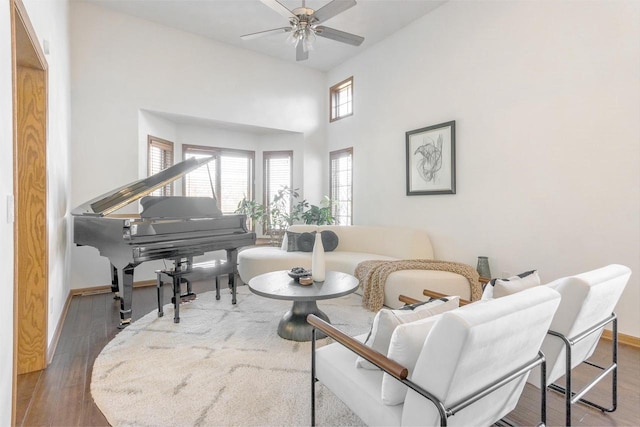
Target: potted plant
276, 217
319, 215
281, 213
253, 210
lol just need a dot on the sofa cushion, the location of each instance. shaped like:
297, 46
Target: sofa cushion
264, 259
397, 242
497, 288
412, 282
347, 262
386, 321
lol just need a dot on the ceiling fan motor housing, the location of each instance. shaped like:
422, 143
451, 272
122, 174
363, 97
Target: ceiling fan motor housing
303, 11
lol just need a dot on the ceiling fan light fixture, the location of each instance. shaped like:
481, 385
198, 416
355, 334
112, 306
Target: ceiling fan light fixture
305, 25
309, 38
293, 37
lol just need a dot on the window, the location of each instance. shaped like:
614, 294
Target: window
159, 157
341, 99
341, 185
278, 172
230, 174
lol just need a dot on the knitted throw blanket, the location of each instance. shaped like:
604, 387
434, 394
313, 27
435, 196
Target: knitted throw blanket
373, 275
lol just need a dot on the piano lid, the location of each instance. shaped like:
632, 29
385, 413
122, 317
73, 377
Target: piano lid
116, 199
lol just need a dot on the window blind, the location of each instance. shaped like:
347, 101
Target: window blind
230, 174
277, 169
160, 157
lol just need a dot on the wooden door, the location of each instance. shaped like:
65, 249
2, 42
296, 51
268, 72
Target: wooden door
30, 192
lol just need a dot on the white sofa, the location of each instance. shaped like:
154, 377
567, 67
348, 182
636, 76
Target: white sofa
357, 244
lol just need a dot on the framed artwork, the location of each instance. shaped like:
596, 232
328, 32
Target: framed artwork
431, 160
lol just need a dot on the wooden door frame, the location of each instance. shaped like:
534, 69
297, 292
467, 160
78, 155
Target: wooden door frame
27, 53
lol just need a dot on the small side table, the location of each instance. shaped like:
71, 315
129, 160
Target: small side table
278, 285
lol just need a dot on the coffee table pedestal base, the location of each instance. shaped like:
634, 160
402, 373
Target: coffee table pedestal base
293, 325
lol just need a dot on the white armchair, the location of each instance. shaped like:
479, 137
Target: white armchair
471, 368
587, 306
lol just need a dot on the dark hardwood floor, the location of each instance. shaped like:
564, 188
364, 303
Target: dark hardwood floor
60, 396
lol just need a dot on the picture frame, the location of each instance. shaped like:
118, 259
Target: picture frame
431, 160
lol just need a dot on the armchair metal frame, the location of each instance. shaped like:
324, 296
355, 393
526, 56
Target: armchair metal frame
572, 397
401, 373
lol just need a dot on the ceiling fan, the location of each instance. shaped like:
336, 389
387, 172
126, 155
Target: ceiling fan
304, 25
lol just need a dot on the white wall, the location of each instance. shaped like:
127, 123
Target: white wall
121, 65
546, 98
6, 226
49, 20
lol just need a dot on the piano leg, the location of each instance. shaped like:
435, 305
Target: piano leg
160, 293
114, 282
126, 296
232, 262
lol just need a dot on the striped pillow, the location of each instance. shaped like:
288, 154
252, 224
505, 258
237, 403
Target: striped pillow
497, 288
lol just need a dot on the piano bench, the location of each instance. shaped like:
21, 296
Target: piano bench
200, 271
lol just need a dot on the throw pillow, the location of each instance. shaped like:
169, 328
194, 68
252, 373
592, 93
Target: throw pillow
329, 240
292, 241
497, 288
405, 347
387, 320
305, 242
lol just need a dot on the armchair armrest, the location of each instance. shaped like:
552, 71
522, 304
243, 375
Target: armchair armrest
378, 359
408, 300
434, 294
431, 294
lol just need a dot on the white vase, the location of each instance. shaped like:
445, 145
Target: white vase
317, 260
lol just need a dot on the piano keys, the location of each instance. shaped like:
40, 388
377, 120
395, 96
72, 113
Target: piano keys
168, 227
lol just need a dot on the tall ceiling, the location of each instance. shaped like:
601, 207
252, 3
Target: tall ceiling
226, 20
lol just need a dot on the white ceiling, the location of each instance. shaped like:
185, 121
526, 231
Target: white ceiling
227, 20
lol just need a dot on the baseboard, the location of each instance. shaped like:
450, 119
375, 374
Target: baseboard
622, 338
51, 349
91, 291
105, 289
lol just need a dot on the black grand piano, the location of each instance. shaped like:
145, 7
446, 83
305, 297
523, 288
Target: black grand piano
169, 227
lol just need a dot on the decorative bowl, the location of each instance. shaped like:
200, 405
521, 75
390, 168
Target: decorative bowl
298, 272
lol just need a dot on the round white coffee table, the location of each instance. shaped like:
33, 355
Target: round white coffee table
278, 285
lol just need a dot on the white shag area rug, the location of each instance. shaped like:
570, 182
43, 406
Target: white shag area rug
222, 365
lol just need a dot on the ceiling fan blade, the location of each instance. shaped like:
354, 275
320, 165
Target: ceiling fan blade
301, 54
333, 8
337, 35
265, 33
280, 8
